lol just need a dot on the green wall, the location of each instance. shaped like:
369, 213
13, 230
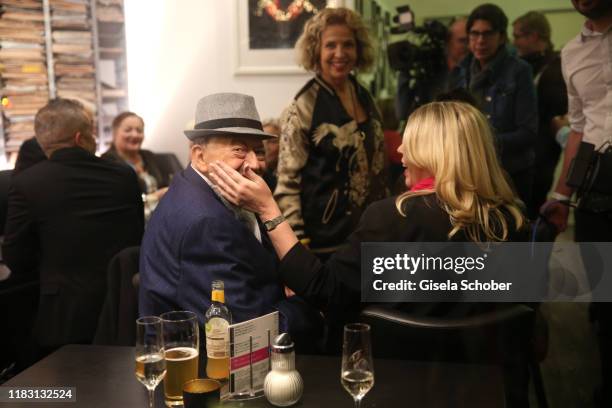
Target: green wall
564, 20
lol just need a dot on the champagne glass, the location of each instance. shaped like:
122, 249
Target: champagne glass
182, 345
357, 372
150, 356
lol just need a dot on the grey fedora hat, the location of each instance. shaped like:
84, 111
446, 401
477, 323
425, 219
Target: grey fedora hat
227, 113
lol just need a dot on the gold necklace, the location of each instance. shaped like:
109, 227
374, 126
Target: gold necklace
272, 8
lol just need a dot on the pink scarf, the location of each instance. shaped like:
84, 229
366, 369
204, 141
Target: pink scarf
427, 183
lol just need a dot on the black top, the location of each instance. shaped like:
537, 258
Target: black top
552, 101
30, 153
337, 283
149, 162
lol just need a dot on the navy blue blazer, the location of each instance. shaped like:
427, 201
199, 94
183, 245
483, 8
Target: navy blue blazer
193, 239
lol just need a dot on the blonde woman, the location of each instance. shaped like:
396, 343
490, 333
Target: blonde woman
331, 162
457, 192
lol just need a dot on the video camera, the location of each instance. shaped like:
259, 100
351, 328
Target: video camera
422, 53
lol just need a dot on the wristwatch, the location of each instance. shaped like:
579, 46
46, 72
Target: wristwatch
273, 223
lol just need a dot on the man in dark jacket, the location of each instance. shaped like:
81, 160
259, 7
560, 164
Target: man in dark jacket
67, 216
531, 33
503, 87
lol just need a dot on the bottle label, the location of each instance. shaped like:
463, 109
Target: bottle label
218, 296
217, 337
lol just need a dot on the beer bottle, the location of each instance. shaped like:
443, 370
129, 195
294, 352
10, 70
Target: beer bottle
217, 319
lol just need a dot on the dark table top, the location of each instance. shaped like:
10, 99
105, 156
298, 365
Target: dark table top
104, 377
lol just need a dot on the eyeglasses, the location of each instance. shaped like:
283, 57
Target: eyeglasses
486, 35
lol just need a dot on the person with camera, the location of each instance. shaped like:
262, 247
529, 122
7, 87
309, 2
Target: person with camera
413, 92
503, 87
586, 62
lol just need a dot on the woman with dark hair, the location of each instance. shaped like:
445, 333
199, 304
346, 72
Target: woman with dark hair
503, 87
128, 134
331, 161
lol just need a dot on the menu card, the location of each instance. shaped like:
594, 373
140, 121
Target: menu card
250, 354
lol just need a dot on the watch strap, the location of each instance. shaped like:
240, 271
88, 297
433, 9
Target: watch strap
273, 223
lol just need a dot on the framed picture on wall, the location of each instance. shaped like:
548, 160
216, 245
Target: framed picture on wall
267, 32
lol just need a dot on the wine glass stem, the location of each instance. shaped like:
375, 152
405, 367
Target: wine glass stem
357, 402
151, 398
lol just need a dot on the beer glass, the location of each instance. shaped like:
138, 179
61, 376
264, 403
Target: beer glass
149, 353
357, 372
182, 346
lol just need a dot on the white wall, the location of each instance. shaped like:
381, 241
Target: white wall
181, 50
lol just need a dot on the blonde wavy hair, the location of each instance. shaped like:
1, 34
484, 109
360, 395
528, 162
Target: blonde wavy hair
308, 46
453, 142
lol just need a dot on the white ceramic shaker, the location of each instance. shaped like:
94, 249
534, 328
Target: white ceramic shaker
283, 385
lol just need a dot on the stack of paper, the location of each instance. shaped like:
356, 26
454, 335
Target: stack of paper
110, 14
22, 68
73, 51
69, 14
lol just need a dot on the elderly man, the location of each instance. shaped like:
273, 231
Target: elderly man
67, 216
195, 237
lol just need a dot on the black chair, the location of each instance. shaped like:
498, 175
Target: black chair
5, 181
116, 325
502, 337
18, 307
169, 165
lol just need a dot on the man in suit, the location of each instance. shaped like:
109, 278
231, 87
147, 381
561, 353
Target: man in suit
67, 216
195, 236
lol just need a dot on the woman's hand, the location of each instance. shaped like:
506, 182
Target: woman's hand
160, 193
154, 197
251, 192
248, 191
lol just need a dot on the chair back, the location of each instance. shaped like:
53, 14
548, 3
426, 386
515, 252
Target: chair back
493, 336
5, 182
18, 307
116, 324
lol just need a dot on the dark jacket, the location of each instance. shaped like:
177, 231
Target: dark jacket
330, 168
67, 217
507, 97
192, 239
336, 285
149, 162
552, 101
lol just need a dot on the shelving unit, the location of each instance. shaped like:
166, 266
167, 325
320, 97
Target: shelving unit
111, 65
65, 48
24, 84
